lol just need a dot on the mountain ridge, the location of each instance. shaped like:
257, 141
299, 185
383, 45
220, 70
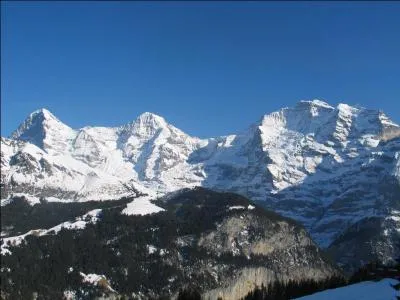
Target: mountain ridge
327, 167
313, 104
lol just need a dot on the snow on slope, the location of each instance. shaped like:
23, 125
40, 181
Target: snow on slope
96, 280
80, 223
44, 130
367, 290
141, 206
32, 200
96, 162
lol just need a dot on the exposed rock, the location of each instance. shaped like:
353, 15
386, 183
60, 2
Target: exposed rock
324, 166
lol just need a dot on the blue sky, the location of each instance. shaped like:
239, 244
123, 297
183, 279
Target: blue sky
210, 68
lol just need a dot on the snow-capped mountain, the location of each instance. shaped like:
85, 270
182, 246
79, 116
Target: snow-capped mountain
330, 168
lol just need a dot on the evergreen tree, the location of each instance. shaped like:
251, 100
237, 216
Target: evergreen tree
189, 293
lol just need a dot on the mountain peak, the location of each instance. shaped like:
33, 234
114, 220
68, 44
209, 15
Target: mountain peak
44, 112
315, 102
148, 121
148, 117
146, 124
306, 116
40, 115
38, 125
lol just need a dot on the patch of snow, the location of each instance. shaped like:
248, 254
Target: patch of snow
69, 295
240, 207
5, 202
8, 270
95, 279
17, 240
236, 207
151, 249
80, 223
319, 103
32, 200
368, 290
141, 206
54, 199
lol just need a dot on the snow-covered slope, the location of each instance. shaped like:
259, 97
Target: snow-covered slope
368, 290
80, 223
327, 167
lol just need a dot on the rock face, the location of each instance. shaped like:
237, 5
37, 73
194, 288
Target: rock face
221, 243
327, 167
266, 246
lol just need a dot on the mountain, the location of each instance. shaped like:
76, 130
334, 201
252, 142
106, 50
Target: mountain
334, 169
221, 244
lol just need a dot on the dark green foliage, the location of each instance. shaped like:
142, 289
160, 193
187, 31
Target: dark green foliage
117, 246
397, 288
293, 289
208, 207
19, 216
376, 271
189, 293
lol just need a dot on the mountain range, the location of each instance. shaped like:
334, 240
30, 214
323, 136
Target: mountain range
336, 170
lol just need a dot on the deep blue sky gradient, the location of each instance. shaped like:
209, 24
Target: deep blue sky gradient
210, 68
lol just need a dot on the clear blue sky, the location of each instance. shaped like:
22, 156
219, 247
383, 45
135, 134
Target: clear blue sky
210, 68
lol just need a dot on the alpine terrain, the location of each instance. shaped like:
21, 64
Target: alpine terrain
217, 243
335, 170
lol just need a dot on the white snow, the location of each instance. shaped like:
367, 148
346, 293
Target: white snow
32, 200
3, 269
91, 278
317, 103
54, 199
236, 207
367, 290
96, 162
151, 249
313, 146
15, 241
80, 223
141, 206
69, 295
95, 279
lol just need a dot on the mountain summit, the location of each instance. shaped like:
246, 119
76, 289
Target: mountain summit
44, 130
147, 124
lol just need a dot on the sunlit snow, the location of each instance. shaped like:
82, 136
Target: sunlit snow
80, 223
141, 206
367, 290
